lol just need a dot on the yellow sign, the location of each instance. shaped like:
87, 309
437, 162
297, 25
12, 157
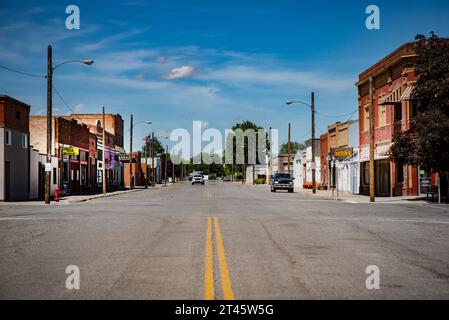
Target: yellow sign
70, 151
341, 153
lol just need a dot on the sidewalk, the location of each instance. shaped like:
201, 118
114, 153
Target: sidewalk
79, 198
356, 198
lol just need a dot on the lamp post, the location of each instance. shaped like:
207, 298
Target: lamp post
131, 127
50, 70
166, 155
312, 108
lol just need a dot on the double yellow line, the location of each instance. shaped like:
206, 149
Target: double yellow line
209, 291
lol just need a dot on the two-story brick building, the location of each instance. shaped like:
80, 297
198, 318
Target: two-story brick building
114, 127
72, 171
14, 149
392, 80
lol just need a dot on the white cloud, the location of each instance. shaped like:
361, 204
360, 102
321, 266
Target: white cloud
79, 107
276, 77
178, 73
109, 40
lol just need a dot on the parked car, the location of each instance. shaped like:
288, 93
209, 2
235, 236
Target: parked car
282, 181
198, 178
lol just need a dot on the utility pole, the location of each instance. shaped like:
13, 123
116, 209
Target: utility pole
271, 159
289, 148
130, 153
152, 161
104, 153
49, 123
372, 186
146, 162
313, 143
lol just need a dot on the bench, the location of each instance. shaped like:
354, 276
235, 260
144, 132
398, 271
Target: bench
433, 191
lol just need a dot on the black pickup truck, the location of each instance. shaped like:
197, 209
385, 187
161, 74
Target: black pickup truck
282, 181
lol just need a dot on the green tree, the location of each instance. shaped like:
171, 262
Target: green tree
295, 146
245, 125
427, 142
158, 148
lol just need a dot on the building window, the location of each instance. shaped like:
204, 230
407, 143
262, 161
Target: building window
24, 140
366, 116
8, 137
18, 115
382, 113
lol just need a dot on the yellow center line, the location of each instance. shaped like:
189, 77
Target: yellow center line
209, 265
225, 280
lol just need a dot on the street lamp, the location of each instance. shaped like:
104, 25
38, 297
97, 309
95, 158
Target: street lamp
312, 107
50, 70
166, 153
131, 126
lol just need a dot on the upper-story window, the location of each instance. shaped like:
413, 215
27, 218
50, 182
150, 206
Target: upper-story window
18, 115
382, 112
366, 116
8, 137
24, 140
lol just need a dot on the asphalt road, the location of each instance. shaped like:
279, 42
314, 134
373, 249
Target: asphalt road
223, 240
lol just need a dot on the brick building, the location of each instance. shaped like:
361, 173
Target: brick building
392, 79
73, 171
114, 127
14, 149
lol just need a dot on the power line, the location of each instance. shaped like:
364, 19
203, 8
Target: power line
337, 115
62, 99
21, 72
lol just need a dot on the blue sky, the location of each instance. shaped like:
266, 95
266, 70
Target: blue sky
215, 61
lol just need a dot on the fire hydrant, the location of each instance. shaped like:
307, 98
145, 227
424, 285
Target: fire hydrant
57, 194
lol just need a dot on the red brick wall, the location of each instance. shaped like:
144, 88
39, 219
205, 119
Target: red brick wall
9, 110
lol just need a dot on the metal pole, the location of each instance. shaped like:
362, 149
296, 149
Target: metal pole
439, 189
313, 143
372, 186
289, 148
165, 169
152, 161
130, 153
173, 169
49, 122
146, 162
337, 175
271, 158
332, 178
104, 153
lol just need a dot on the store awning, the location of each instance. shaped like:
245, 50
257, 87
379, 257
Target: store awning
408, 92
393, 97
381, 151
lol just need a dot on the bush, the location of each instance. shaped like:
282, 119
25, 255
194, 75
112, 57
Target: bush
260, 181
239, 176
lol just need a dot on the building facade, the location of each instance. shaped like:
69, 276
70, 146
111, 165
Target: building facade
392, 80
14, 149
114, 146
70, 145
